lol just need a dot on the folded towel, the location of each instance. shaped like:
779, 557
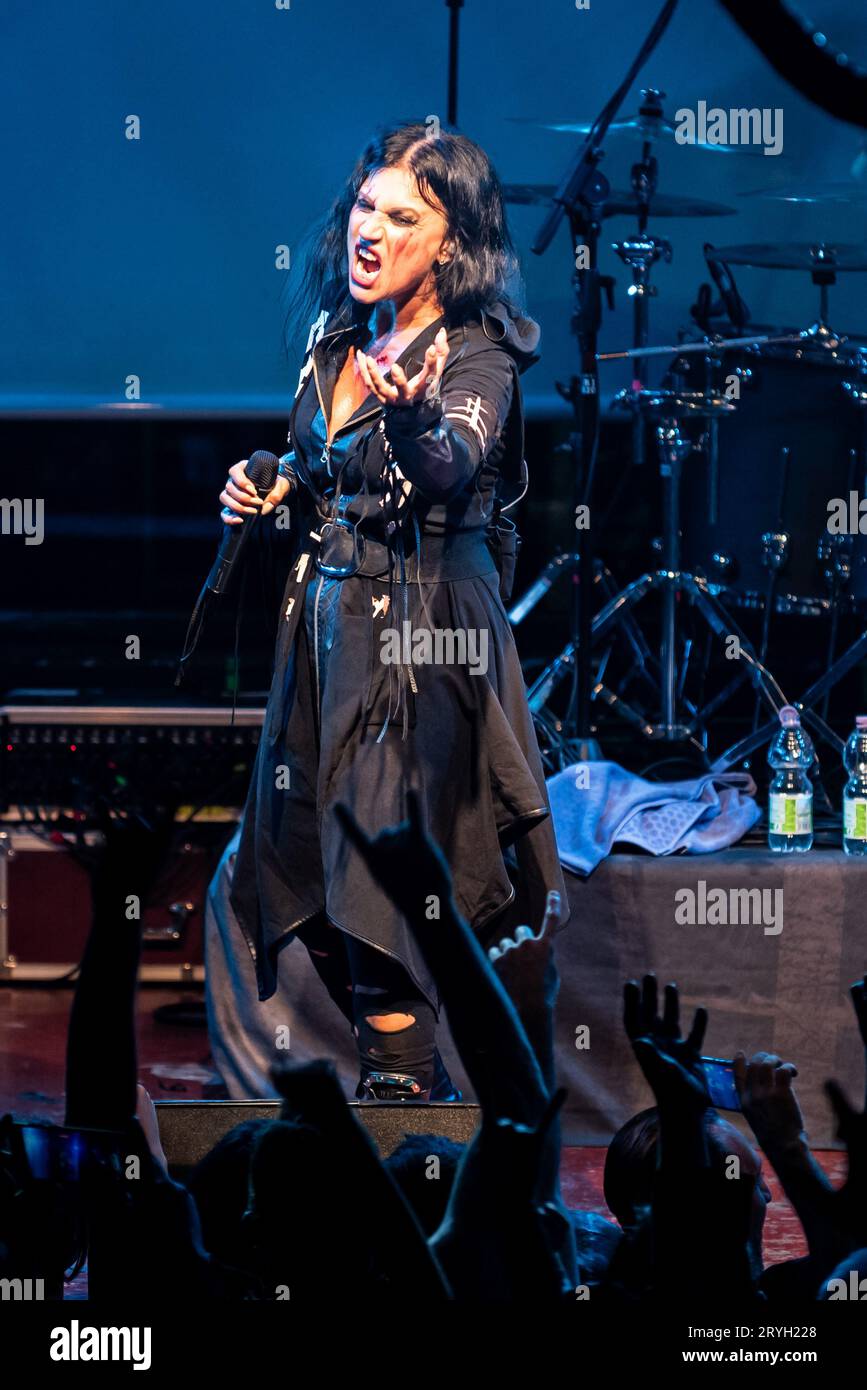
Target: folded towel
596, 804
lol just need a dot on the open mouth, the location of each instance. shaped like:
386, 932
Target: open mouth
366, 265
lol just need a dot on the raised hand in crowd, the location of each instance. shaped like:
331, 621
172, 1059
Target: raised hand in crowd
765, 1087
671, 1063
376, 1217
483, 1255
701, 1207
858, 995
143, 1227
849, 1202
101, 1038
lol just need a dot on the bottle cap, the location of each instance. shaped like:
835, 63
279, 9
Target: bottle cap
861, 721
789, 717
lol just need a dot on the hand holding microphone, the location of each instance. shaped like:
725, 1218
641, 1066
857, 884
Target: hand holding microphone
242, 497
254, 487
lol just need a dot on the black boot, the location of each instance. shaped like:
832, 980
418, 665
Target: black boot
389, 1085
403, 1086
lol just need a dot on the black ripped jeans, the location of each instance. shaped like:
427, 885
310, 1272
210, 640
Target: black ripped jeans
363, 981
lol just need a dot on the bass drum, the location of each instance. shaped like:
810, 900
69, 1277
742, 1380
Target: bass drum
794, 443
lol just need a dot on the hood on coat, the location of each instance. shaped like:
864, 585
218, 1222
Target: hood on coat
516, 333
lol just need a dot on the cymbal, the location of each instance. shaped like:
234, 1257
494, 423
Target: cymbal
794, 255
643, 127
621, 202
843, 192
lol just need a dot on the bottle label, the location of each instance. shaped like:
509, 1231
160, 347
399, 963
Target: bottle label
790, 814
855, 818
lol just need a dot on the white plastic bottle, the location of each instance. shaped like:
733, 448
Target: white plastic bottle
790, 795
855, 791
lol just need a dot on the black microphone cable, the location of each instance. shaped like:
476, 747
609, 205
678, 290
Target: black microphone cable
262, 472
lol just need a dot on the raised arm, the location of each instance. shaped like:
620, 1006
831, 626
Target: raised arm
511, 1164
700, 1219
101, 1040
443, 423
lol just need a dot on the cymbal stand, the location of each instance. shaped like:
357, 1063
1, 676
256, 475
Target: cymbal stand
581, 197
639, 253
677, 721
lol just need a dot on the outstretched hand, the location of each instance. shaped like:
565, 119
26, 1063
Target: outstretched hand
135, 846
403, 390
404, 860
549, 922
670, 1062
764, 1085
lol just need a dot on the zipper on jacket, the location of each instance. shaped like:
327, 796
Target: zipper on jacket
316, 647
325, 456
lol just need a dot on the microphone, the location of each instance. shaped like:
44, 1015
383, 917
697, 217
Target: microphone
262, 472
724, 281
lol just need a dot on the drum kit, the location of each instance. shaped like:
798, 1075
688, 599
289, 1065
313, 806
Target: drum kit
755, 432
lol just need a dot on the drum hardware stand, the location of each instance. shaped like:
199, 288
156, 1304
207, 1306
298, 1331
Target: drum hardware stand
823, 277
669, 410
670, 579
824, 263
644, 663
844, 664
567, 564
581, 196
834, 553
639, 253
775, 556
557, 566
821, 688
679, 349
839, 558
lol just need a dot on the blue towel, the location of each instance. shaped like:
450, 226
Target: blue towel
596, 804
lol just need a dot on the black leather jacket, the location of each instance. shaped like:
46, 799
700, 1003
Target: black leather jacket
429, 470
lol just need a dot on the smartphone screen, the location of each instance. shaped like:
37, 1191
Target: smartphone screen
721, 1083
56, 1153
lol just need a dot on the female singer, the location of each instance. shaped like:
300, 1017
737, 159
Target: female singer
395, 665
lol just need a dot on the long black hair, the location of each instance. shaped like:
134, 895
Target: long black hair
450, 171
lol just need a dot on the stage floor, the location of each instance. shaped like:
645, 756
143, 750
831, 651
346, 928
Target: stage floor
175, 1064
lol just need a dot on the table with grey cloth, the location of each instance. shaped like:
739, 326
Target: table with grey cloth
785, 993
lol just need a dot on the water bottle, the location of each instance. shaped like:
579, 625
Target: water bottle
855, 790
790, 795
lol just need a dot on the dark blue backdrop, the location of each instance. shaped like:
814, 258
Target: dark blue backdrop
156, 257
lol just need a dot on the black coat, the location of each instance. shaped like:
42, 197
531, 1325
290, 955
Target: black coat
420, 487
